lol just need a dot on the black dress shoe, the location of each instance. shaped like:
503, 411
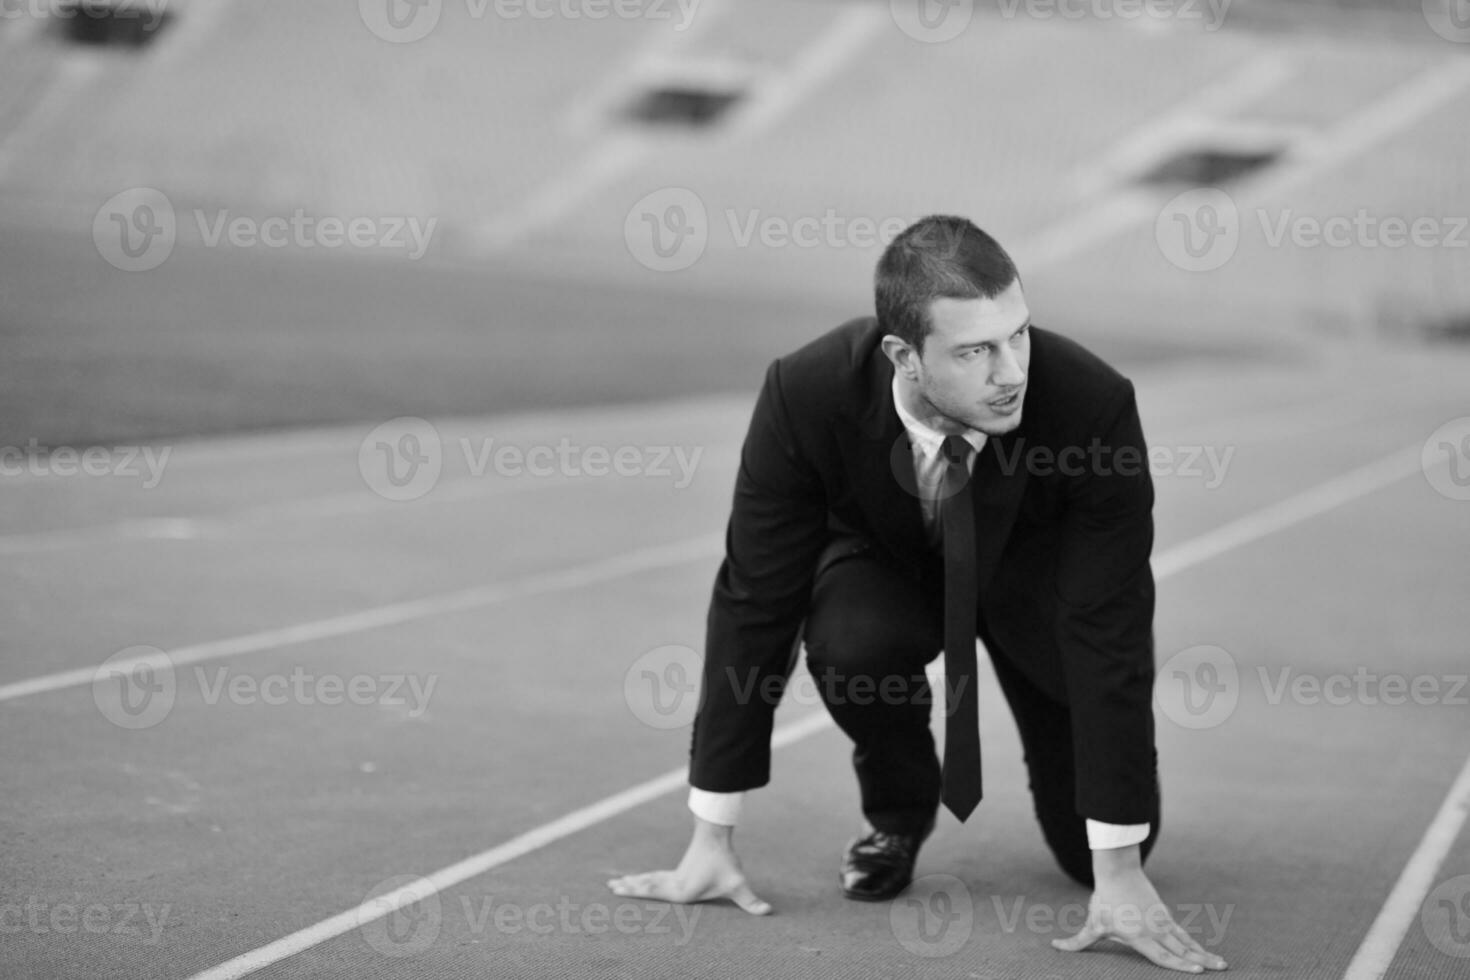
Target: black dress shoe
879, 866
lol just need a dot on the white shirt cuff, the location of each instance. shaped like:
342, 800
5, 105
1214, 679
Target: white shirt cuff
1106, 836
721, 808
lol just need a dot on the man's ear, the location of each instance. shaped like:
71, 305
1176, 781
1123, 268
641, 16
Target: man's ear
905, 359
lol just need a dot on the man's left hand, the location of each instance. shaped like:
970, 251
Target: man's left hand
1126, 908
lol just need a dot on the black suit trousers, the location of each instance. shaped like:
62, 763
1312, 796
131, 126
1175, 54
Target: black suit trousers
869, 633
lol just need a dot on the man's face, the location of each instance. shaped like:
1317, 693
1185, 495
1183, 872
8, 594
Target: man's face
977, 353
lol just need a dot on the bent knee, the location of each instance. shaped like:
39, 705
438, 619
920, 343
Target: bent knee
866, 645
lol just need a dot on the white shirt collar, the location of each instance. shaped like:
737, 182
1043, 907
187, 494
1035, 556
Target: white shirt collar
926, 438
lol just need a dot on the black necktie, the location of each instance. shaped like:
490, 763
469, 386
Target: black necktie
961, 787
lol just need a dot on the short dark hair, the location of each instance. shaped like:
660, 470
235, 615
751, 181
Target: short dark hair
938, 256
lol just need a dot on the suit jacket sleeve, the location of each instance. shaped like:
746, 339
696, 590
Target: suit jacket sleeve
774, 538
1105, 609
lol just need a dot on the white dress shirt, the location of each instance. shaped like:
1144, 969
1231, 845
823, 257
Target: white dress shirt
724, 808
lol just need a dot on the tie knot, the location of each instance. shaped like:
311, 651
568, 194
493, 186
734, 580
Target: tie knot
956, 450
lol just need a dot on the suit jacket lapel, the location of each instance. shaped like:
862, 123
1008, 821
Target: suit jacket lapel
886, 472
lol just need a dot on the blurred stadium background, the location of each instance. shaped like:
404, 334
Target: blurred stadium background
529, 139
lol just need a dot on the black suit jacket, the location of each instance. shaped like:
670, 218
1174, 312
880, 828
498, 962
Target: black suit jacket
1066, 592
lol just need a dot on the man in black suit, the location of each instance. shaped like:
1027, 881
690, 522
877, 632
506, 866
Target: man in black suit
910, 482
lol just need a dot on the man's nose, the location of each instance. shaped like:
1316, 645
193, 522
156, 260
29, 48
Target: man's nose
1008, 373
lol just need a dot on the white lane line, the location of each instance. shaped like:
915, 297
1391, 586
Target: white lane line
1264, 522
1170, 562
1376, 952
541, 583
351, 503
1269, 425
1293, 510
346, 439
533, 840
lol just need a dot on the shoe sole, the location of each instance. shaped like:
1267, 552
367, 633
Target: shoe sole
857, 897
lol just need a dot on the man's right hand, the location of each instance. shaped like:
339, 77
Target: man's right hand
709, 870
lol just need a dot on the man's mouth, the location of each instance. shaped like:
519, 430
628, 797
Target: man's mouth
1005, 403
